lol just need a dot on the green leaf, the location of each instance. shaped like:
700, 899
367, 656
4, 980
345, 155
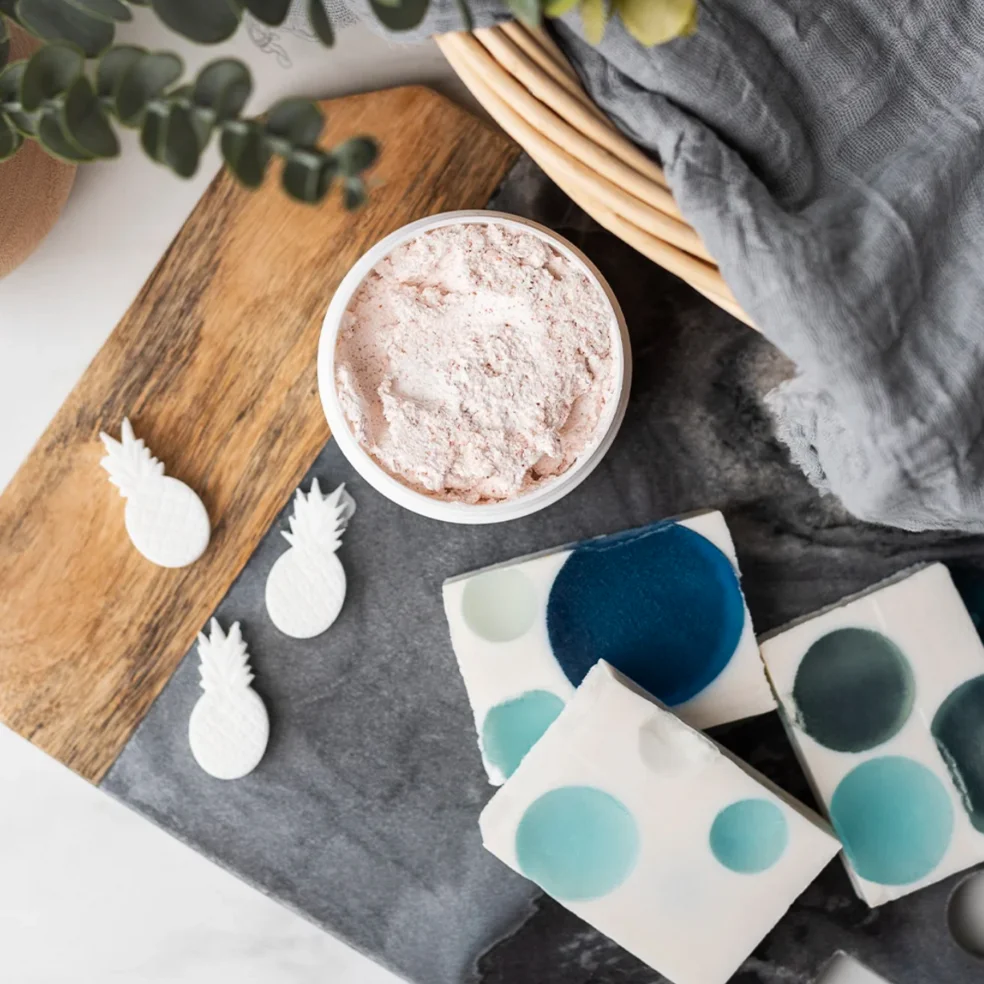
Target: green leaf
653, 22
299, 121
10, 139
355, 155
307, 175
204, 21
84, 121
49, 73
271, 12
113, 66
320, 22
58, 20
153, 132
594, 17
143, 81
528, 11
557, 8
4, 41
245, 150
56, 141
181, 143
223, 86
404, 16
107, 10
354, 193
10, 95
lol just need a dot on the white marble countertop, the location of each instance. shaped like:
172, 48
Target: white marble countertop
92, 892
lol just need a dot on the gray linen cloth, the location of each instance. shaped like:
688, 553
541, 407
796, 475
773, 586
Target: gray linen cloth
831, 156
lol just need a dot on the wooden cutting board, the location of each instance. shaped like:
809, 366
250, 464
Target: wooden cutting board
214, 363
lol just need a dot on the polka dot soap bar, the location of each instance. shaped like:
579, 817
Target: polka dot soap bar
883, 696
662, 604
653, 834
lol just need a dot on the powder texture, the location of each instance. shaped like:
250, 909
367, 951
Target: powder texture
475, 362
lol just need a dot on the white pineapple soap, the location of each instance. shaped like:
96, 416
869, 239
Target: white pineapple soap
229, 726
306, 586
165, 519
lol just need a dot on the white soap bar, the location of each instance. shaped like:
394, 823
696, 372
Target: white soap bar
662, 604
654, 835
871, 691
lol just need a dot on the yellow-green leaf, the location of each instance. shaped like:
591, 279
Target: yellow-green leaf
653, 22
557, 8
594, 17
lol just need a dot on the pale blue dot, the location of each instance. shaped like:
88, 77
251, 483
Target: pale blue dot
895, 819
500, 605
749, 836
513, 727
577, 843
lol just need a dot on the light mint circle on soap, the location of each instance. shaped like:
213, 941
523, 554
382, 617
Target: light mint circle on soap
749, 836
895, 819
577, 843
501, 605
512, 728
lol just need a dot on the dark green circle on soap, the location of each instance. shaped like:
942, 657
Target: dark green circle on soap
853, 690
958, 727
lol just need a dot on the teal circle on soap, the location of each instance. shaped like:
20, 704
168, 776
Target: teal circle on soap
577, 843
501, 605
854, 690
895, 819
749, 836
512, 728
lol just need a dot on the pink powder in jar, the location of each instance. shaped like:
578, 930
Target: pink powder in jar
475, 362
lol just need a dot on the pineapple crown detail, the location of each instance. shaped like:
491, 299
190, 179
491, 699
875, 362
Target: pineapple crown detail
129, 461
224, 659
319, 520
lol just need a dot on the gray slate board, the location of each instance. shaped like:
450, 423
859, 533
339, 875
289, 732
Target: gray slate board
362, 815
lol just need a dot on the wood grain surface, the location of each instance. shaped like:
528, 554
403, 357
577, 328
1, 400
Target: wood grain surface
215, 365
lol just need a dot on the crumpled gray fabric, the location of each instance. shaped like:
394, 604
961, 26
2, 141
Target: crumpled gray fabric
831, 155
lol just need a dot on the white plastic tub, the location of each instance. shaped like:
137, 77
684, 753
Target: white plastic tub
549, 491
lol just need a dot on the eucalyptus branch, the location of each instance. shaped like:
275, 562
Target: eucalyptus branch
70, 107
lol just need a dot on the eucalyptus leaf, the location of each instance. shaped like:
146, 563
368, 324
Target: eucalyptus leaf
59, 20
223, 87
298, 121
4, 43
354, 193
107, 10
10, 83
245, 150
49, 73
204, 21
307, 175
10, 139
84, 121
528, 11
143, 81
320, 22
404, 16
272, 12
181, 142
653, 22
56, 141
153, 132
113, 66
557, 8
594, 18
355, 155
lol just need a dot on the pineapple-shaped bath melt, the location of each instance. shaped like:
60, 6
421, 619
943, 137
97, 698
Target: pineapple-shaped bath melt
229, 727
306, 587
165, 519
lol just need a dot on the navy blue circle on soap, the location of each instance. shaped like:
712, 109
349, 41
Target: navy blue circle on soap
854, 690
662, 605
